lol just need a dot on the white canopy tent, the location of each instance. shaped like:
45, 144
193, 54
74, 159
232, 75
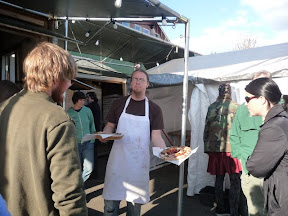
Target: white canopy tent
205, 73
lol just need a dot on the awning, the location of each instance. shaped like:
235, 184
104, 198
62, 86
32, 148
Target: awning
123, 42
99, 8
96, 68
23, 26
78, 85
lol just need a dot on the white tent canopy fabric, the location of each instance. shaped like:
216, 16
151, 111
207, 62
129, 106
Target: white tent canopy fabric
205, 74
229, 66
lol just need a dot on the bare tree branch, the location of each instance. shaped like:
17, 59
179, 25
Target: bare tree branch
246, 43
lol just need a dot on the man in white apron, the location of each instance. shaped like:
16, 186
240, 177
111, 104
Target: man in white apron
127, 171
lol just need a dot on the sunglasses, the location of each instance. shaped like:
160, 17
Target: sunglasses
250, 98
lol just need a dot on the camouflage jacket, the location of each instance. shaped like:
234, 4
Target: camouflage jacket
218, 124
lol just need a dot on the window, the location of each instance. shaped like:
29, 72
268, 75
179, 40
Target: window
8, 67
157, 35
146, 31
126, 24
138, 27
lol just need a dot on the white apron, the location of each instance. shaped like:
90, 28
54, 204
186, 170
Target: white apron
127, 171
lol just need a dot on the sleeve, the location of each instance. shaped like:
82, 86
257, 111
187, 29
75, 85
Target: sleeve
65, 170
98, 116
269, 150
3, 207
235, 137
157, 122
113, 114
206, 128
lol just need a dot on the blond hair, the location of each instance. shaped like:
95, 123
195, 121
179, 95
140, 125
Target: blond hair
46, 64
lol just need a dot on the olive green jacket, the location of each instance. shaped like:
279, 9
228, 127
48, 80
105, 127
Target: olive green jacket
40, 172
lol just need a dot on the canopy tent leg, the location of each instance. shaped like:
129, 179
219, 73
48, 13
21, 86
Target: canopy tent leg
184, 117
66, 48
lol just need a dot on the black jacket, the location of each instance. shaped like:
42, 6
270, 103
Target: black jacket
269, 160
95, 108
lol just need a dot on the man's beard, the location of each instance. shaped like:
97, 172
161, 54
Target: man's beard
57, 96
137, 93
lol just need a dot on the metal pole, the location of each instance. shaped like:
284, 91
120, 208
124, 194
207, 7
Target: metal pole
66, 34
66, 48
184, 117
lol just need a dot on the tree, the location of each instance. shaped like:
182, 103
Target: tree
246, 43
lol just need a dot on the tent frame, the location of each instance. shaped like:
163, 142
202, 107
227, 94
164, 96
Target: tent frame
184, 108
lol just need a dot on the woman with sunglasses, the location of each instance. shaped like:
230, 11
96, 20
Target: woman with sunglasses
269, 159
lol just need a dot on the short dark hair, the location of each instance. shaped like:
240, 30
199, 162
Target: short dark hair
92, 95
77, 96
140, 70
265, 87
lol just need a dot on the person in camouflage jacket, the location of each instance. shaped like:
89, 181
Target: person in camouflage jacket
218, 122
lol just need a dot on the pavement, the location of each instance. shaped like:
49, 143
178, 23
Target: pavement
164, 184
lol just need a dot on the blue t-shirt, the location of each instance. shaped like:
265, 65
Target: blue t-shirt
3, 208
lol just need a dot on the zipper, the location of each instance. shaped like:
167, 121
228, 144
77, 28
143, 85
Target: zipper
81, 124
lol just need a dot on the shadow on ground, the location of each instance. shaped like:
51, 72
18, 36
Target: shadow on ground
164, 184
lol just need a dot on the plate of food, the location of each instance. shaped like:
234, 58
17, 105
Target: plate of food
175, 153
108, 136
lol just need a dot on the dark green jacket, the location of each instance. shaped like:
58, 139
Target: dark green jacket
40, 172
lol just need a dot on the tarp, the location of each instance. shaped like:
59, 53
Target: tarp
205, 75
229, 66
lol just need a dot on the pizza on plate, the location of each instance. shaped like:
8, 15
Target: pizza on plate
108, 136
175, 153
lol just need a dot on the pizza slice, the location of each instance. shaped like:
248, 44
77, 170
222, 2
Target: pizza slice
175, 153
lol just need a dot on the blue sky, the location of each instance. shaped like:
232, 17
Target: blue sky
218, 26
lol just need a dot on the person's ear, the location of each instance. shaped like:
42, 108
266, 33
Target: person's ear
263, 100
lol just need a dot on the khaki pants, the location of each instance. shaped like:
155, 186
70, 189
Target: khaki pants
253, 190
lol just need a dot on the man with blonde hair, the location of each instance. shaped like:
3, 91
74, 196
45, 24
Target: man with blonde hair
40, 172
243, 138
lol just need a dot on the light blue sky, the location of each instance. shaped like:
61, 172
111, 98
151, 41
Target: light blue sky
217, 26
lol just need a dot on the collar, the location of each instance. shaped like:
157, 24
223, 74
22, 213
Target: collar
274, 111
36, 95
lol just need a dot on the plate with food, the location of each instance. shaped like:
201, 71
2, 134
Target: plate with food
108, 136
175, 153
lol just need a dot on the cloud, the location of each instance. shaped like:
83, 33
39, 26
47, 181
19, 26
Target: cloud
213, 41
274, 13
224, 37
264, 21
